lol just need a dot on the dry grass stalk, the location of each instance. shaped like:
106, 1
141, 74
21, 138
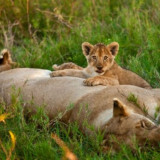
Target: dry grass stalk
8, 34
68, 155
9, 153
13, 139
3, 148
57, 15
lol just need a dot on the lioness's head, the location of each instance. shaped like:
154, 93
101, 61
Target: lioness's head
100, 56
129, 127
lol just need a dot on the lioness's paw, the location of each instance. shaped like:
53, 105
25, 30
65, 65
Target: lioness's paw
91, 82
56, 74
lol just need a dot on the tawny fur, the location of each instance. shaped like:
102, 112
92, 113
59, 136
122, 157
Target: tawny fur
102, 68
69, 65
92, 107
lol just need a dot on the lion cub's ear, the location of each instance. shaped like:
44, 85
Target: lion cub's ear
5, 56
113, 48
119, 109
86, 48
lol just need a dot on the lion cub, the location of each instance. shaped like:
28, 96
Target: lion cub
102, 68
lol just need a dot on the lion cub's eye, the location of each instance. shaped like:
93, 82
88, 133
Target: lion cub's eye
94, 57
105, 58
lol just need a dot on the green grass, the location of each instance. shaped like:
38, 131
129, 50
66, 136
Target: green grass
33, 139
51, 32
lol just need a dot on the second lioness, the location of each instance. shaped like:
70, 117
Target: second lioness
102, 68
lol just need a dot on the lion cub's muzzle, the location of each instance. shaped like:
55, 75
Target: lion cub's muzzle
99, 69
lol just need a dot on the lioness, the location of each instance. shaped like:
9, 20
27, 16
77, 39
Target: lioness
93, 107
6, 62
102, 68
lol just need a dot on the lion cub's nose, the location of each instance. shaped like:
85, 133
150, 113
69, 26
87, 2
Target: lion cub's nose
99, 67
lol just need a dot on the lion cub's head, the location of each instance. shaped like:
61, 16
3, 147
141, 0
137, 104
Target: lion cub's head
100, 56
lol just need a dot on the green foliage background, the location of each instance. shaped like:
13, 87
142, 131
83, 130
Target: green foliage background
41, 33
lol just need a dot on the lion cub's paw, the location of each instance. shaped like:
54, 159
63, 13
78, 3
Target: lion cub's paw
56, 74
55, 67
92, 82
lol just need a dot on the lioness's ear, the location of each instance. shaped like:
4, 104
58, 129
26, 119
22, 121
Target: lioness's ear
119, 108
86, 48
113, 48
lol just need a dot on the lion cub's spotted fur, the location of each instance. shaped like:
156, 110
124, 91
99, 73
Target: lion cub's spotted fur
102, 68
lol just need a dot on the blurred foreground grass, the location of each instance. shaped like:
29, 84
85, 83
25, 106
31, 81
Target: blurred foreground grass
34, 140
